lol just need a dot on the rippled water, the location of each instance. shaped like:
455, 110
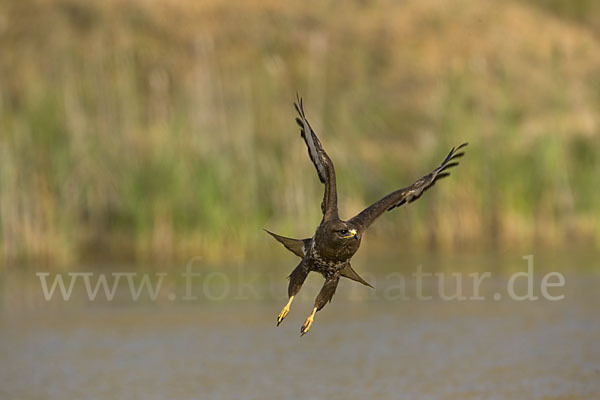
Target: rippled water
359, 347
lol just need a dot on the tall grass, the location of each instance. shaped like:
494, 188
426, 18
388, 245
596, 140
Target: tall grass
156, 131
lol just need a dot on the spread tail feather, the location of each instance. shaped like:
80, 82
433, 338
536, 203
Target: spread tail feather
350, 273
296, 246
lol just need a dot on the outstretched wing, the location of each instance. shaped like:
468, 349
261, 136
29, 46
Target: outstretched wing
322, 163
410, 193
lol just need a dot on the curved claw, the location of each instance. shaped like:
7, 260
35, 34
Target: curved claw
284, 312
309, 321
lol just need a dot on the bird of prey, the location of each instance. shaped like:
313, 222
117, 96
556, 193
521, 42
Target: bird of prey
335, 241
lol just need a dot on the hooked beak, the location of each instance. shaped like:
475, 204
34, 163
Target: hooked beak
353, 233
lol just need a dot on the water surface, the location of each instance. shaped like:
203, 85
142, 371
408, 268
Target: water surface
361, 346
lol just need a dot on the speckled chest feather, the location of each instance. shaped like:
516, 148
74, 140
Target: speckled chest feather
327, 268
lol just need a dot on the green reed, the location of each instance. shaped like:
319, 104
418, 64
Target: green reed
154, 132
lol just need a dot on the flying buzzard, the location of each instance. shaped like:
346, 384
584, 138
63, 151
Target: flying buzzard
335, 241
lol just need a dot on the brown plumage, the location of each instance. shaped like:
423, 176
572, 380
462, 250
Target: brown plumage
335, 241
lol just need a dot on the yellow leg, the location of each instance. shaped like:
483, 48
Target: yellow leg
284, 312
308, 322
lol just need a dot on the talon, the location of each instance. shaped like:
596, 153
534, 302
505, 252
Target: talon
284, 312
309, 321
306, 326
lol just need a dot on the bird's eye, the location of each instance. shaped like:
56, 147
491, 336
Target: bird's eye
344, 232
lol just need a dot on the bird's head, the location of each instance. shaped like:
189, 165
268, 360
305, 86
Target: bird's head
339, 239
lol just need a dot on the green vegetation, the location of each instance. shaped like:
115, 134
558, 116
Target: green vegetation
160, 130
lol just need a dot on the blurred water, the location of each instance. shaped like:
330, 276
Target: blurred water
365, 348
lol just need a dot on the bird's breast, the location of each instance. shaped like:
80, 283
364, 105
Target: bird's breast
325, 265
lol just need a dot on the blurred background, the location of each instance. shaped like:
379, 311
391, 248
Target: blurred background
140, 135
147, 130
